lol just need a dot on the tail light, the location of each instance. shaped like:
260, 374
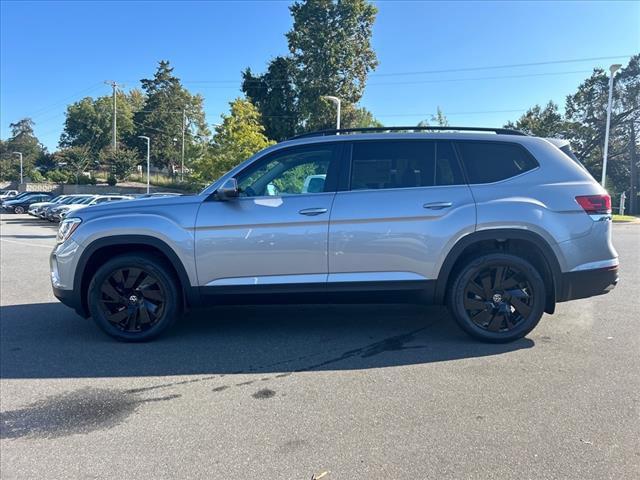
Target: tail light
595, 204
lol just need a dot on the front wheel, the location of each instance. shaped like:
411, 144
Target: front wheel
134, 297
497, 298
19, 210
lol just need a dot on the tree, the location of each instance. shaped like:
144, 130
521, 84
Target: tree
439, 118
240, 135
89, 122
275, 96
120, 163
541, 122
168, 109
330, 54
77, 160
23, 140
330, 46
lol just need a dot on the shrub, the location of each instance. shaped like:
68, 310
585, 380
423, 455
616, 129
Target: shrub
112, 180
57, 176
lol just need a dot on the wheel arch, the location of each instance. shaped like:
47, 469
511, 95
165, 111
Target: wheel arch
524, 243
102, 249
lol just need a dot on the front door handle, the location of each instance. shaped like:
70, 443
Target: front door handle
312, 212
437, 205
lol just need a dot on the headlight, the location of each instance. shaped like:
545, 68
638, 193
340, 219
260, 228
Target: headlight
66, 229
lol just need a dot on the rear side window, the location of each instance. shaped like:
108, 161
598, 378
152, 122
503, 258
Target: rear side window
487, 162
403, 164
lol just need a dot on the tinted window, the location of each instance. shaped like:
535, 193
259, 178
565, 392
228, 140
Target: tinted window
290, 172
488, 162
403, 164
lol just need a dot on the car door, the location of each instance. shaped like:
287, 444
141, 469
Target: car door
276, 231
406, 204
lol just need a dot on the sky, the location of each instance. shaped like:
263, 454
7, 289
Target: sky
458, 56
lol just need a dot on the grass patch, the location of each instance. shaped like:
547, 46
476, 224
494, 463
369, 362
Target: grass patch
625, 218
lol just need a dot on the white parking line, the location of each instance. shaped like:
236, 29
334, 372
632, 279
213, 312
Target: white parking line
50, 247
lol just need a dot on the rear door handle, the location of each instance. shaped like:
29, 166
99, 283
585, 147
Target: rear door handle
437, 205
311, 212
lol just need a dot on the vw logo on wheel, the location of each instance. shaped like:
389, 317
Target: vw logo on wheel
497, 298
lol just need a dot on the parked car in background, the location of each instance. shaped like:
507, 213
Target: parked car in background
64, 210
40, 209
21, 205
52, 213
7, 194
158, 194
36, 207
19, 196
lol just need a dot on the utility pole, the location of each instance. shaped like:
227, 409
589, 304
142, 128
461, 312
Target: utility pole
148, 140
20, 155
633, 191
612, 70
114, 86
184, 127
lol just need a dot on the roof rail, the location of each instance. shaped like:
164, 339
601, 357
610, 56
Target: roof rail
322, 133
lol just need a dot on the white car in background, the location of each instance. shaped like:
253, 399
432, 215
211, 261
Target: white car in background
7, 194
62, 212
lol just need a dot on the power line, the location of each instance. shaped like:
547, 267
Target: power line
447, 70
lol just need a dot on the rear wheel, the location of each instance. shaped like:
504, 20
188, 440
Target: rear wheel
134, 297
497, 298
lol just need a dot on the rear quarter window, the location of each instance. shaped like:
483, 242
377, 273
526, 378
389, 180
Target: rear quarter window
487, 162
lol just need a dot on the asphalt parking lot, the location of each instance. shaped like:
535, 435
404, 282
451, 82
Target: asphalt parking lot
288, 392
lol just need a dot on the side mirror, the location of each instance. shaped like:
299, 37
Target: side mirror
228, 190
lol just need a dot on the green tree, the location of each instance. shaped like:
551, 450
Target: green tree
23, 140
77, 160
275, 95
120, 163
439, 118
240, 135
541, 122
330, 46
89, 122
330, 54
169, 108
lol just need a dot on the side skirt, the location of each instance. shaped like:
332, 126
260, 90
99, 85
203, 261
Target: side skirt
421, 291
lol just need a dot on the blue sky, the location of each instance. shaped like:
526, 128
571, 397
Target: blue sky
54, 53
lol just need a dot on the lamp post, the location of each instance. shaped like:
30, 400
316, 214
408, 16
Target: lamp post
148, 150
20, 155
613, 68
337, 101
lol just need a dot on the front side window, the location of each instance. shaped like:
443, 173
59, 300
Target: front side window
487, 162
403, 164
293, 171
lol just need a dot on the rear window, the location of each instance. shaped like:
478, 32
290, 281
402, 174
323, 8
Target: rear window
487, 162
403, 164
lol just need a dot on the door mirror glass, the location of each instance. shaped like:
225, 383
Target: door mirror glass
228, 190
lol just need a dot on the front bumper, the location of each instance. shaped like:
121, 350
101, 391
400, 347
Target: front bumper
63, 263
588, 283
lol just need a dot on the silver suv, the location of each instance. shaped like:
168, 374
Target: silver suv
496, 224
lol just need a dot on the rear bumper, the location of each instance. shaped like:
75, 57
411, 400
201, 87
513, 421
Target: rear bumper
588, 283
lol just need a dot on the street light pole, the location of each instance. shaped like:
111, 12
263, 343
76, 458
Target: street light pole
20, 155
148, 154
613, 70
337, 102
184, 126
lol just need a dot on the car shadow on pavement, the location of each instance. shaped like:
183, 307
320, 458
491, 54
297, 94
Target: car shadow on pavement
48, 340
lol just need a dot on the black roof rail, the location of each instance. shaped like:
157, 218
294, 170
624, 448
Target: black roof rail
322, 133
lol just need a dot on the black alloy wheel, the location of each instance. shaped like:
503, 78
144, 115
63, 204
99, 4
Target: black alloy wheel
134, 297
498, 297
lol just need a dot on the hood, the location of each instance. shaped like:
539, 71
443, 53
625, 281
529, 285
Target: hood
137, 205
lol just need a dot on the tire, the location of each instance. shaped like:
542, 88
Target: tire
19, 210
502, 311
134, 297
